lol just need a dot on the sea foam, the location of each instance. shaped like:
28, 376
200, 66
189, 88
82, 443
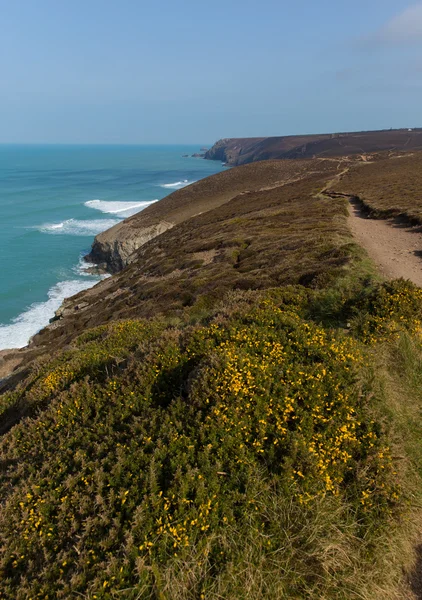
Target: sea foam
177, 185
118, 208
34, 318
77, 227
84, 268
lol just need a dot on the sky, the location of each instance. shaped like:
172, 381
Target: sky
189, 71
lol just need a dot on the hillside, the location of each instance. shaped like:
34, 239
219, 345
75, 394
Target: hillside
116, 246
197, 260
234, 413
239, 151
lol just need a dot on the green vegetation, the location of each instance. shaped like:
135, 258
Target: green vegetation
239, 419
258, 240
247, 456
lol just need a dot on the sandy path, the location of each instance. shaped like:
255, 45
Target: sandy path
396, 248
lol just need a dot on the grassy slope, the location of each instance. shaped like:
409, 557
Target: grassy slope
247, 446
255, 241
389, 188
195, 199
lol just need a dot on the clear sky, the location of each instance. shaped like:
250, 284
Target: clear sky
182, 71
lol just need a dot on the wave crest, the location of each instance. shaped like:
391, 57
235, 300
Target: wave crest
117, 207
177, 185
34, 318
77, 227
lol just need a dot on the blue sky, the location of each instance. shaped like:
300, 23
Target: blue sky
168, 71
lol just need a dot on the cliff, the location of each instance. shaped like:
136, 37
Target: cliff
239, 151
216, 235
201, 241
115, 248
245, 380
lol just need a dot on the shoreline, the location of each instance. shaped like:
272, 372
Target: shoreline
65, 289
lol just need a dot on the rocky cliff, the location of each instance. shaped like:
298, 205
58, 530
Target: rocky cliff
244, 228
216, 235
115, 248
239, 151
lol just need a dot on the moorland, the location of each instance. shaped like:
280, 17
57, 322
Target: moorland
239, 151
235, 413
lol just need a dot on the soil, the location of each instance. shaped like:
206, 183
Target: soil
393, 245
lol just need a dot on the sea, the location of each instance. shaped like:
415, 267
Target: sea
54, 199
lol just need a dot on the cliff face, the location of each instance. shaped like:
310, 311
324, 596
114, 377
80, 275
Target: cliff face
115, 248
239, 151
228, 150
112, 250
233, 230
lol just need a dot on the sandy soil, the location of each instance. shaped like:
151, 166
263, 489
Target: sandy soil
394, 246
396, 249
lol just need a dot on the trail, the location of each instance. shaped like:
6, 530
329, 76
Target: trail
394, 246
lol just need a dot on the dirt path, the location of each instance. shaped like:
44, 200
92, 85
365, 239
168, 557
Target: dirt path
395, 247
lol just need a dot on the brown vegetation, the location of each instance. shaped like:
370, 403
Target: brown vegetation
239, 151
389, 187
257, 240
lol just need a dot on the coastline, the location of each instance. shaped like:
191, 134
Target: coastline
69, 278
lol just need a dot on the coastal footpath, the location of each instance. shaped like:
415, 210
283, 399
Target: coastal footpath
234, 413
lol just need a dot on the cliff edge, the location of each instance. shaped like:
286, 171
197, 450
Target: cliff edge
239, 151
115, 248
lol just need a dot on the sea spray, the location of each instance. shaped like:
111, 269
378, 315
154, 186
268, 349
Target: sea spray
77, 227
28, 323
121, 209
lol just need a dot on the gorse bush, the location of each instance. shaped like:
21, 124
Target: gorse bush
387, 311
164, 462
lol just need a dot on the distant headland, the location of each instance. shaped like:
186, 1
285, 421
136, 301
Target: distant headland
239, 151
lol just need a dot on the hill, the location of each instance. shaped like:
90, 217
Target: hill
239, 151
232, 414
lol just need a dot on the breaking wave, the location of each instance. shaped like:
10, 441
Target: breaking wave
121, 209
77, 227
37, 316
177, 185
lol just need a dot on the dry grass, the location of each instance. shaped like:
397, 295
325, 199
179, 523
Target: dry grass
257, 240
389, 187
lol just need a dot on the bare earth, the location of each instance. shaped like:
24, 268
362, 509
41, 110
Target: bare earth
395, 247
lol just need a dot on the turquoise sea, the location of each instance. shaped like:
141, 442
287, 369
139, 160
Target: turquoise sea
54, 200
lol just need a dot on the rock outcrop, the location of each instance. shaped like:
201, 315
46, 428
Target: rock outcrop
112, 249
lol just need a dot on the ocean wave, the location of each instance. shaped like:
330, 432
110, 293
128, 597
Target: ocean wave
82, 269
177, 185
77, 227
117, 207
34, 318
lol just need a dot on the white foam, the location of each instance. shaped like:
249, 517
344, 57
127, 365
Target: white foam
82, 268
37, 316
77, 227
115, 207
177, 185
